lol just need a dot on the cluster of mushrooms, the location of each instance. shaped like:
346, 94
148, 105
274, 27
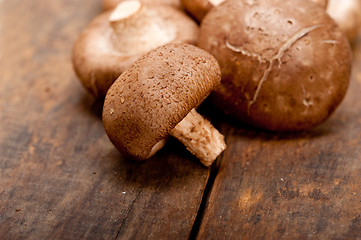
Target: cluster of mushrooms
277, 65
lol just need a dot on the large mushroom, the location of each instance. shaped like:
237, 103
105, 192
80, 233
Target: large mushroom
284, 68
110, 4
115, 39
156, 97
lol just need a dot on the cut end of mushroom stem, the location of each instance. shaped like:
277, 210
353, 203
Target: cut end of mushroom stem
199, 137
136, 28
216, 2
123, 13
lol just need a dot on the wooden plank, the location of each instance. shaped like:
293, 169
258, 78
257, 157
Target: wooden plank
296, 186
60, 177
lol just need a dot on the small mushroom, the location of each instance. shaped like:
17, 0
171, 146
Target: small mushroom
347, 15
115, 39
199, 8
284, 68
156, 97
110, 4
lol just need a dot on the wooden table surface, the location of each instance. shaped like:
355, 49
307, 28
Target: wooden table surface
61, 178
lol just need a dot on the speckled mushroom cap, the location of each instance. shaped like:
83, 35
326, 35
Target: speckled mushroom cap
98, 63
284, 68
149, 99
109, 4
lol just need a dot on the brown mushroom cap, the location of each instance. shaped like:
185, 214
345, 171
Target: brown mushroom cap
109, 4
149, 99
284, 68
98, 61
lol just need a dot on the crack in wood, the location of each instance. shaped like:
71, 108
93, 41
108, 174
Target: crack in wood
129, 210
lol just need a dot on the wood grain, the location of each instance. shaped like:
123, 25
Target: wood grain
295, 186
60, 177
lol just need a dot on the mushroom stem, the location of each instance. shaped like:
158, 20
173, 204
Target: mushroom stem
134, 25
199, 137
216, 2
126, 15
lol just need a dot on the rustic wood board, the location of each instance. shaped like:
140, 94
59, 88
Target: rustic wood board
60, 177
300, 186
